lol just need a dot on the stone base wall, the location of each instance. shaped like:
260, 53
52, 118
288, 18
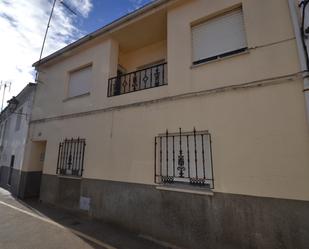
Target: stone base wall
23, 184
30, 183
188, 220
4, 177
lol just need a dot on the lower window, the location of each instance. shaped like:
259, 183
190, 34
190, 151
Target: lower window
71, 157
184, 157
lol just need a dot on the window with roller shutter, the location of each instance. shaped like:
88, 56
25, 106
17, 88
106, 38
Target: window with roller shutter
219, 37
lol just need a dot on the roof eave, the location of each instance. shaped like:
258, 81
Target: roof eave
102, 30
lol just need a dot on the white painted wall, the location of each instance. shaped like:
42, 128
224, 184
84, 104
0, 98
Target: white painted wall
260, 136
14, 140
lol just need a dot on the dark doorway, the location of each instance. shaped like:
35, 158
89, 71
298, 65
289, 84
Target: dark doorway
30, 181
11, 169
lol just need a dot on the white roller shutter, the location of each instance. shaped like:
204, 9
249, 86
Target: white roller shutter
218, 36
80, 81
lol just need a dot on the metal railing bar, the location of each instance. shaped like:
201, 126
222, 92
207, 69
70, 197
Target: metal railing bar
166, 150
150, 77
163, 78
174, 156
79, 153
137, 90
184, 178
203, 156
161, 155
83, 157
195, 153
65, 154
74, 156
176, 134
188, 155
70, 154
140, 70
58, 160
211, 161
62, 156
155, 160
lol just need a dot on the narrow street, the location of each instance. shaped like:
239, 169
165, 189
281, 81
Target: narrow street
33, 225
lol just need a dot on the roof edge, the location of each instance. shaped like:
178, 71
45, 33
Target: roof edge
19, 95
114, 24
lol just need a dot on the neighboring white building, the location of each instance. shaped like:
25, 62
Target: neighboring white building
14, 126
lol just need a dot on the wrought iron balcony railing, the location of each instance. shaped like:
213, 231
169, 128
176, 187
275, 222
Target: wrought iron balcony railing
184, 158
151, 77
71, 157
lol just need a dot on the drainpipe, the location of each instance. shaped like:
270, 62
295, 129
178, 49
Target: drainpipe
301, 47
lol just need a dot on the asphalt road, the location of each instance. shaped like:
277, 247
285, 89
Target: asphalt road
32, 225
22, 228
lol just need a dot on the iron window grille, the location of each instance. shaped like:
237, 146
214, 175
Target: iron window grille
71, 157
146, 78
184, 157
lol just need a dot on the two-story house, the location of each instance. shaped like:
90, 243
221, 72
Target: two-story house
184, 121
14, 127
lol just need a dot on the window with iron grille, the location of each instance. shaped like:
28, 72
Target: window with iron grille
71, 157
184, 157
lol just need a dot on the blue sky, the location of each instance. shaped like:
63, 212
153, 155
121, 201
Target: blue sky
24, 23
105, 11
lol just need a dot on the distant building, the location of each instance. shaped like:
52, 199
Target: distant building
184, 121
14, 126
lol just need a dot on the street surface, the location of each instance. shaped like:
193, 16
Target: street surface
32, 225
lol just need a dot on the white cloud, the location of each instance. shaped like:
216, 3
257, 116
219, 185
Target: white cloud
82, 6
136, 4
22, 27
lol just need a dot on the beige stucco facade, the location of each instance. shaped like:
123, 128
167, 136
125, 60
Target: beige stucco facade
251, 103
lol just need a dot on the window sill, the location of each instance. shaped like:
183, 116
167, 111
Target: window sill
70, 177
185, 189
76, 97
219, 59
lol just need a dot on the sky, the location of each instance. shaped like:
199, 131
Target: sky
23, 24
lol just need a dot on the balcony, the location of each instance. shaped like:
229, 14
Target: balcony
143, 79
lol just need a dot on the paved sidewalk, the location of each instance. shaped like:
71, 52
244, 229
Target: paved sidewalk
33, 225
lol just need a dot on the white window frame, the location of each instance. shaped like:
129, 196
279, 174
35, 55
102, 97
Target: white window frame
69, 93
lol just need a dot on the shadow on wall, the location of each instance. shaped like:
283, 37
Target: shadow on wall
30, 179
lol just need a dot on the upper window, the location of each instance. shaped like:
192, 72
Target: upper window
219, 37
5, 131
80, 81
